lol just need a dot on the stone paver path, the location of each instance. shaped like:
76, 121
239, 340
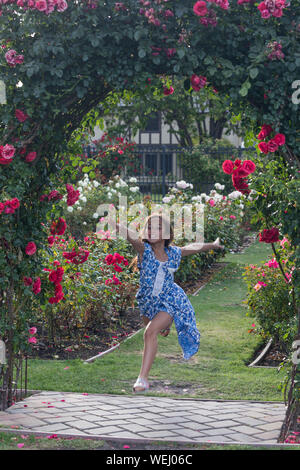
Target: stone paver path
144, 417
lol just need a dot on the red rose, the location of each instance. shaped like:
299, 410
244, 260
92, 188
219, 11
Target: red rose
269, 235
249, 166
30, 248
272, 146
109, 259
57, 275
228, 167
37, 286
200, 8
265, 131
2, 207
279, 139
198, 82
240, 184
51, 240
118, 268
30, 157
59, 227
241, 172
27, 281
263, 147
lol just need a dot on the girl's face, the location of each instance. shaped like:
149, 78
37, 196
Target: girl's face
156, 230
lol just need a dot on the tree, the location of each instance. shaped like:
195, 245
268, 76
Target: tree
184, 111
59, 60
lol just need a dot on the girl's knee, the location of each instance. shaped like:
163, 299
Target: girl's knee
150, 332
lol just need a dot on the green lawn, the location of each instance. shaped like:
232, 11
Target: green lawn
218, 371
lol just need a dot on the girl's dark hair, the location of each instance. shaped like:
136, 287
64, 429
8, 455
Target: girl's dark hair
144, 238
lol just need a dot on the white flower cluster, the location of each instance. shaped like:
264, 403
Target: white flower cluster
84, 186
183, 185
116, 184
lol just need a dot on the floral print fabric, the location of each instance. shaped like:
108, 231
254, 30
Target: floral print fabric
158, 292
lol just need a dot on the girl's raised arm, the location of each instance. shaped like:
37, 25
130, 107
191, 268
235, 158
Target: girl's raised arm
199, 247
131, 236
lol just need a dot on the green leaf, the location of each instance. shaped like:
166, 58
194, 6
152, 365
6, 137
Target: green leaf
253, 73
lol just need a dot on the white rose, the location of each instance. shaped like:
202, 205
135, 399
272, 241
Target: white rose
70, 209
95, 215
83, 198
117, 185
132, 180
96, 184
166, 200
182, 184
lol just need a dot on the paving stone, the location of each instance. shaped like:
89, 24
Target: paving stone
158, 434
244, 429
103, 431
80, 424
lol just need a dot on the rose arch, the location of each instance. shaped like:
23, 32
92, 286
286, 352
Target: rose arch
60, 59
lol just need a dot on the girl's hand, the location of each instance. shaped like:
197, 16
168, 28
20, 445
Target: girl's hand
217, 245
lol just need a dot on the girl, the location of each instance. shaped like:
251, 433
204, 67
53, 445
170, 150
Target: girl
159, 298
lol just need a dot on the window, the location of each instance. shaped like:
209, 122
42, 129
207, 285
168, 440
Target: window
153, 124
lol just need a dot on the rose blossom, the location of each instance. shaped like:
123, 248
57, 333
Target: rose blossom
8, 151
269, 235
272, 146
20, 115
200, 8
263, 147
30, 248
279, 139
37, 286
30, 157
228, 167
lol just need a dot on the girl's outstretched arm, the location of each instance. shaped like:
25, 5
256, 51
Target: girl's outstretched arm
132, 237
199, 247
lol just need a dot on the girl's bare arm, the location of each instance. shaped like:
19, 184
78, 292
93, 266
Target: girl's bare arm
194, 248
132, 237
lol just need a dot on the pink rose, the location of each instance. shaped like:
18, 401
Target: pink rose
30, 248
200, 8
32, 330
168, 91
41, 5
265, 14
20, 115
8, 151
61, 5
32, 340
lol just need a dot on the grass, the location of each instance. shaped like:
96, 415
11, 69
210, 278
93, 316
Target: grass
10, 441
218, 371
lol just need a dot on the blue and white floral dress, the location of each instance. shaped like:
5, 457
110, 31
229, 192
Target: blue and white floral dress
158, 292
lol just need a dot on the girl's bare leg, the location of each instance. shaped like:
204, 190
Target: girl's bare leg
160, 322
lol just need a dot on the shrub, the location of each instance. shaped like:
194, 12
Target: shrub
270, 297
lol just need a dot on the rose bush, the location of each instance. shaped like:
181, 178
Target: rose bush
269, 299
